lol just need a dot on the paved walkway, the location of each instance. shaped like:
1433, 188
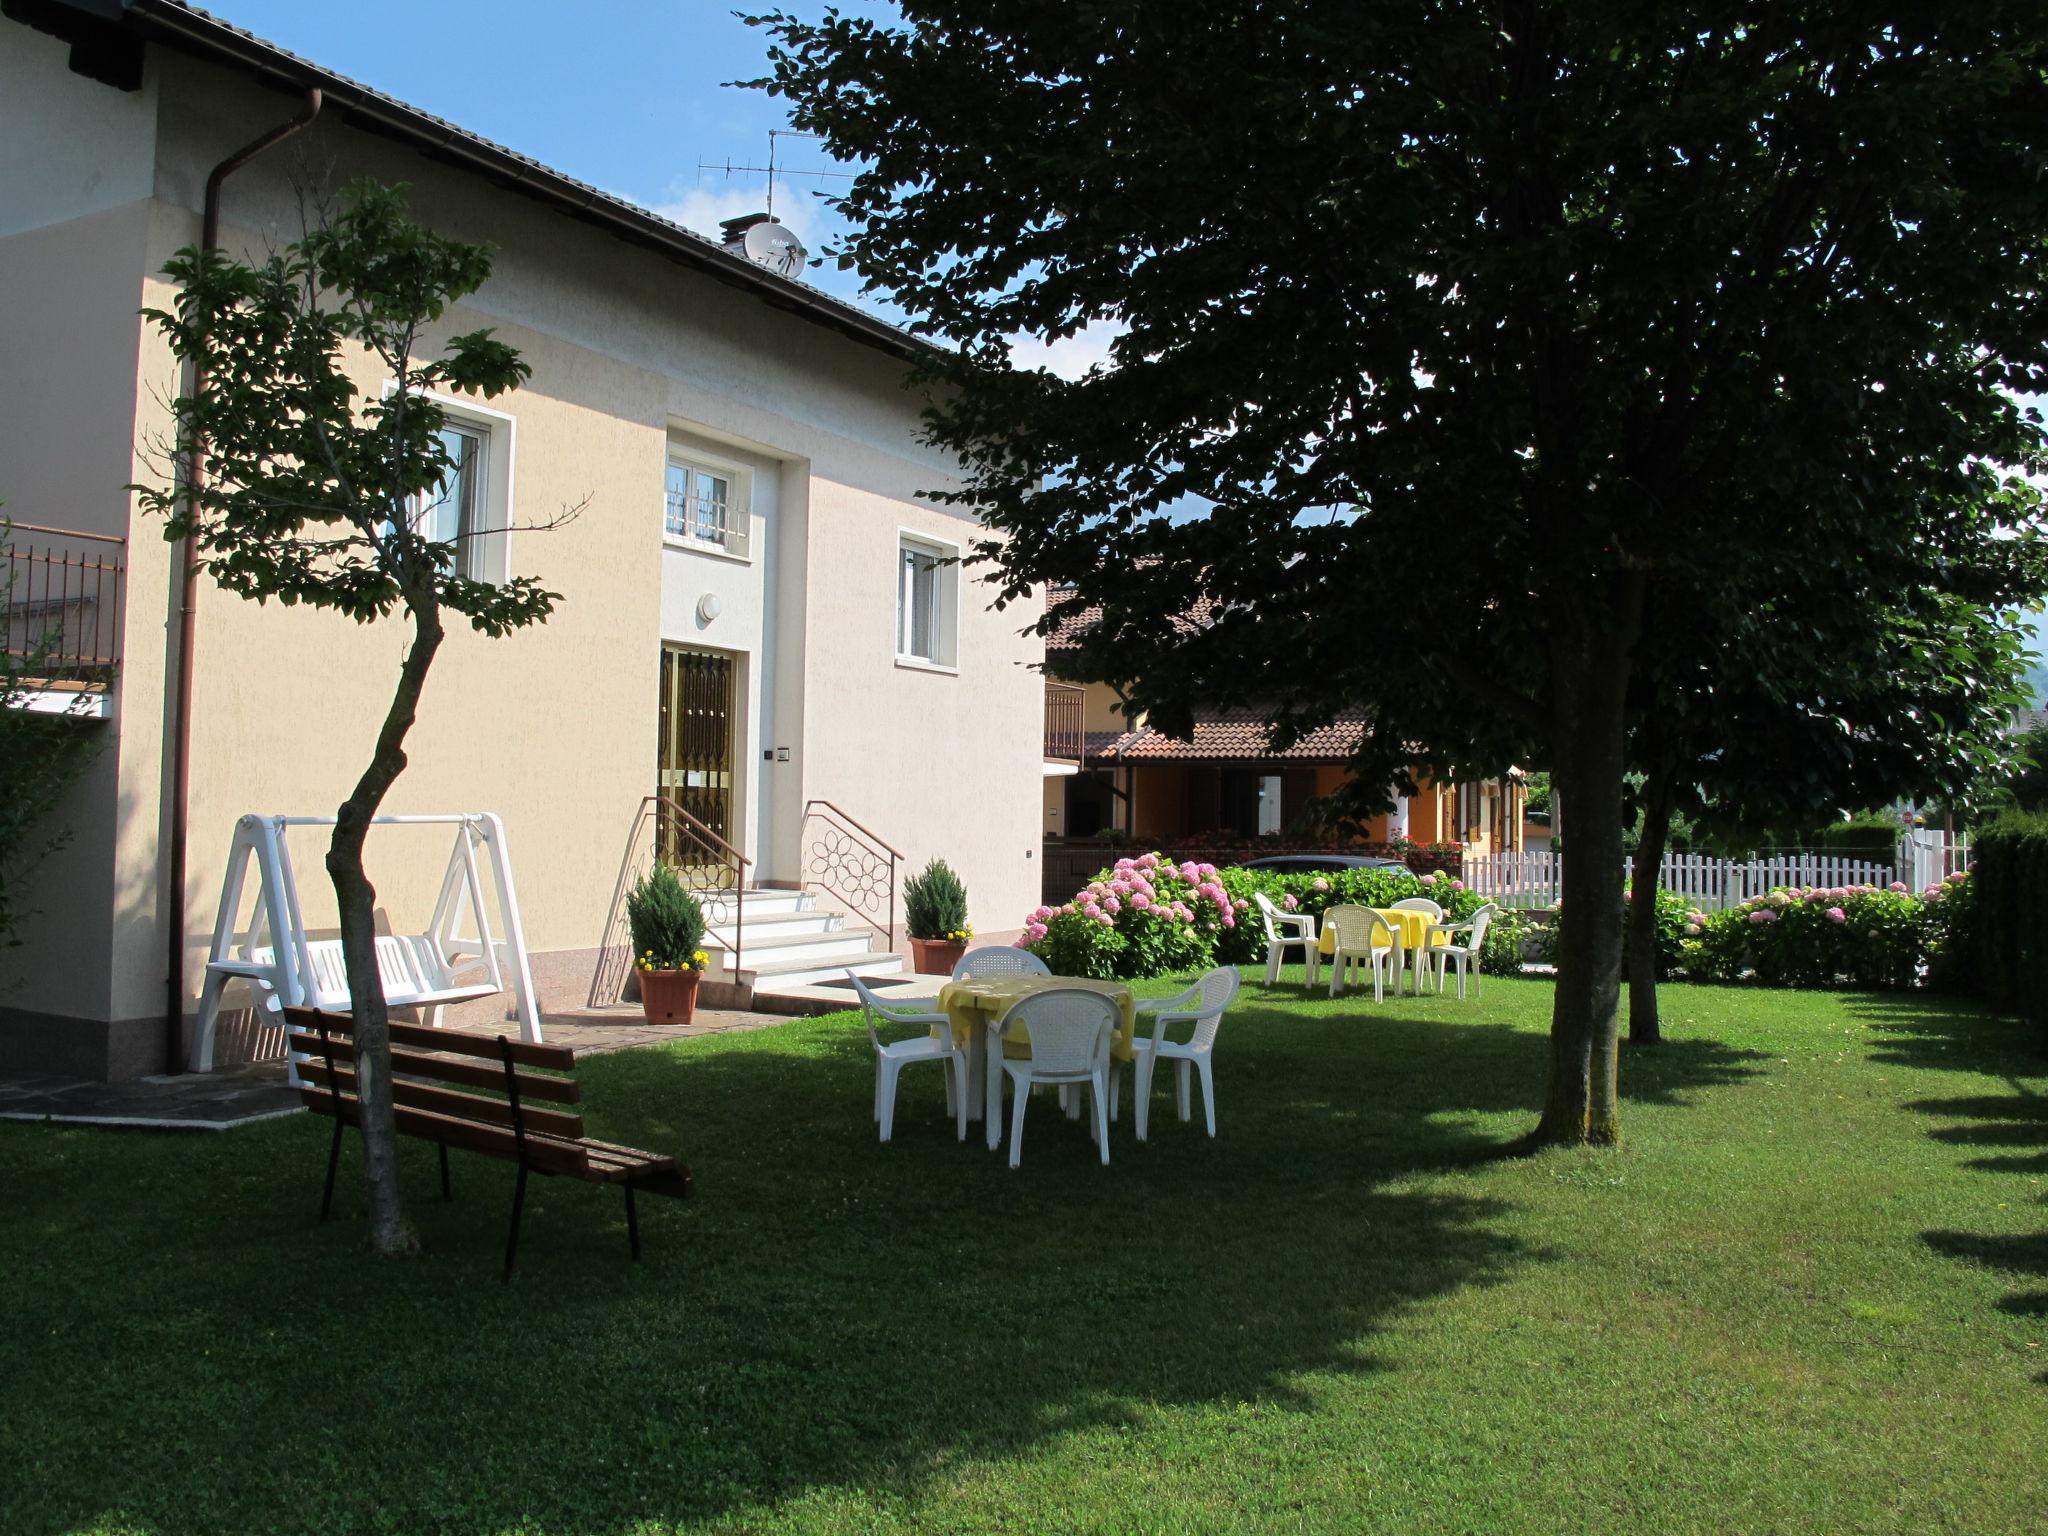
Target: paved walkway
219, 1101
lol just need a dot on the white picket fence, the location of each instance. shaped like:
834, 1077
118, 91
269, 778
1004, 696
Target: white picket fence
1536, 879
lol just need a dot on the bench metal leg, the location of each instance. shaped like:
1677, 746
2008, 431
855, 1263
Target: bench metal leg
632, 1223
512, 1237
333, 1162
446, 1192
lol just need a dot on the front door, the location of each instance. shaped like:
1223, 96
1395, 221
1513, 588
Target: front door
697, 727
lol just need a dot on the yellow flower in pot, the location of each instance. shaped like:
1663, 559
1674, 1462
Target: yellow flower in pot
667, 923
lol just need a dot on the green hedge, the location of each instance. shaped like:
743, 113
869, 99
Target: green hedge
1153, 915
2009, 945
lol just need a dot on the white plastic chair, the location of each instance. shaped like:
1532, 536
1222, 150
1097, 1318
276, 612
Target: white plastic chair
1284, 929
1203, 1005
1069, 1031
1436, 916
1462, 955
1364, 938
936, 1044
1000, 960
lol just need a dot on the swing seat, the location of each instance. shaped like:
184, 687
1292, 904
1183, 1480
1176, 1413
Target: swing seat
411, 966
457, 960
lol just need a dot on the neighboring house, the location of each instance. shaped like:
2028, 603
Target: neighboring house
757, 614
1228, 784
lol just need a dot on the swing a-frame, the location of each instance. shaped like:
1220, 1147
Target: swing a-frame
458, 958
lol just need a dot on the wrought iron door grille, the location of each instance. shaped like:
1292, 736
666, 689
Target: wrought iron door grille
696, 764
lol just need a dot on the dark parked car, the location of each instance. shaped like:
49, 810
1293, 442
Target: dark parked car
1320, 863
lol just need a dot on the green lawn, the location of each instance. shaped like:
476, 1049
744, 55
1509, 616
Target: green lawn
1809, 1294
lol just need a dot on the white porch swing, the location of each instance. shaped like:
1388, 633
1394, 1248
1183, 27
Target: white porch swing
427, 971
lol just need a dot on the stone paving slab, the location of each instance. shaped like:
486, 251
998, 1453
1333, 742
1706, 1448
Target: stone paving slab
244, 1095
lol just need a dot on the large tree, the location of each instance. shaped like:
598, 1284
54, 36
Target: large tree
1488, 332
317, 490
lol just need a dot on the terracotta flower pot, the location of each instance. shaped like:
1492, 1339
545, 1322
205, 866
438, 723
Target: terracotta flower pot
669, 997
936, 957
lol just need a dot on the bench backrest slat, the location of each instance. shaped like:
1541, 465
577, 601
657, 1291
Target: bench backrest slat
461, 1106
464, 1072
554, 1058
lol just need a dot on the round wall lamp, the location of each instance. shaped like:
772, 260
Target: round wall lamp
708, 607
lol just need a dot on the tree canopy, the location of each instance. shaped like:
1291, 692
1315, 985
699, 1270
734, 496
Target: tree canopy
1499, 337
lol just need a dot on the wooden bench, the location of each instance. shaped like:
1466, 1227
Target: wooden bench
432, 1068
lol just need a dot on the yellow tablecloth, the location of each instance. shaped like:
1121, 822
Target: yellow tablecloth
1413, 927
974, 1002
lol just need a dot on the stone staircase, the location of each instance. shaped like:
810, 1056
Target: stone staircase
795, 954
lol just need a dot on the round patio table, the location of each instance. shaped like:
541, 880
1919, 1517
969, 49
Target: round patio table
1413, 926
975, 1004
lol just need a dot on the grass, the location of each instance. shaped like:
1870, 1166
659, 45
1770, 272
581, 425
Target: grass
1810, 1293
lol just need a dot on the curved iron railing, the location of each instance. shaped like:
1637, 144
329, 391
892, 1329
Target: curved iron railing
849, 863
712, 869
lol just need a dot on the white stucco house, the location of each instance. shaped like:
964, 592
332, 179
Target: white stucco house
758, 620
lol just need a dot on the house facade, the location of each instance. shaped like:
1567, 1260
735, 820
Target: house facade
1226, 786
757, 616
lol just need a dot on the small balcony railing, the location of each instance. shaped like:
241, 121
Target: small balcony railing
63, 603
1066, 735
700, 519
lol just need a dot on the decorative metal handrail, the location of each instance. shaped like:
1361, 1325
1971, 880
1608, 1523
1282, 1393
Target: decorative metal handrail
1065, 731
848, 862
62, 605
712, 869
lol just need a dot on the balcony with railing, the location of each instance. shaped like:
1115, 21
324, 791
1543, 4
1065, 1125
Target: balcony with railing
1066, 734
62, 623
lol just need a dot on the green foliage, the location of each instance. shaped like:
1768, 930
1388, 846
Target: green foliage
1145, 916
935, 903
312, 482
1507, 937
667, 922
2026, 787
1674, 914
1155, 916
1870, 835
1858, 936
41, 757
2010, 944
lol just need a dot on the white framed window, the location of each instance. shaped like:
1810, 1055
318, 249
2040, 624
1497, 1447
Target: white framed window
705, 504
927, 601
471, 510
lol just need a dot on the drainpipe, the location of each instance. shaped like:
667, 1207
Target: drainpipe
188, 613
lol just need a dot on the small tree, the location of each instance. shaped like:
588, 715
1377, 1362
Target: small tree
313, 490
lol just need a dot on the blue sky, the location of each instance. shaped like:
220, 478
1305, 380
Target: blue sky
629, 97
626, 96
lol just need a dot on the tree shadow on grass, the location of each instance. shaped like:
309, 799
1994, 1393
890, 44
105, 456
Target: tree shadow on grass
829, 1314
1951, 1035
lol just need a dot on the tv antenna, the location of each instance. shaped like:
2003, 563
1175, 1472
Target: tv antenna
772, 168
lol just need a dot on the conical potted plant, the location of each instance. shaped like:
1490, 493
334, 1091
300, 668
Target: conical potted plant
668, 945
935, 914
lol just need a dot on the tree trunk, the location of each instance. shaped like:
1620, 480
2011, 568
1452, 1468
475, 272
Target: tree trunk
1581, 1105
390, 1235
1641, 946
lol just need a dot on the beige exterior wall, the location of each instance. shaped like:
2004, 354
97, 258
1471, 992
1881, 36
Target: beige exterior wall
555, 729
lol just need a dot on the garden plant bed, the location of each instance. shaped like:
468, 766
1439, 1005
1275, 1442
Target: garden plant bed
1810, 1292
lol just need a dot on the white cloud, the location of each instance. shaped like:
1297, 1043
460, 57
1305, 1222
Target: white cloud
1071, 357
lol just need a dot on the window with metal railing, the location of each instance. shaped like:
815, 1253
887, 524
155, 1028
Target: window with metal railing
706, 505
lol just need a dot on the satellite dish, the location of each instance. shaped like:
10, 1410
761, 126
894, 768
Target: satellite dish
771, 245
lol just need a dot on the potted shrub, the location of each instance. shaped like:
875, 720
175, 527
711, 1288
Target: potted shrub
935, 914
668, 945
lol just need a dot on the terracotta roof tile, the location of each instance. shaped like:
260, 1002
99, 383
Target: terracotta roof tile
1229, 735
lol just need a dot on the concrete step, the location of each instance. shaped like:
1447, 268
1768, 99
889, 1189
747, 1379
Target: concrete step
760, 952
781, 975
772, 927
763, 902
